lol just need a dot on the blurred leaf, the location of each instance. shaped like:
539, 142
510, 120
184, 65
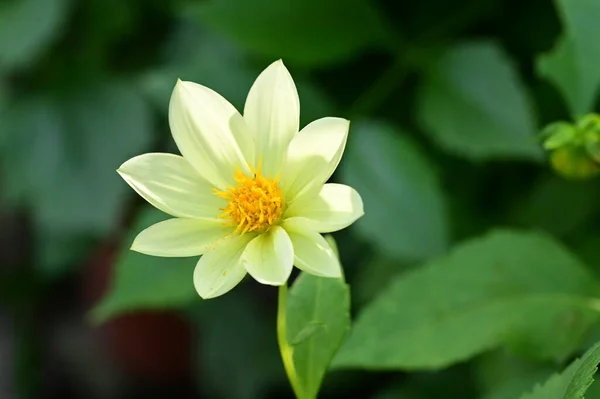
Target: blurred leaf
505, 376
238, 355
60, 157
207, 60
27, 27
474, 105
404, 206
146, 282
308, 32
513, 388
213, 62
588, 250
572, 382
56, 252
520, 289
323, 303
104, 127
32, 148
573, 63
451, 383
557, 205
373, 276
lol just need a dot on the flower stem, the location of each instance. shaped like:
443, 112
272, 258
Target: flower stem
284, 347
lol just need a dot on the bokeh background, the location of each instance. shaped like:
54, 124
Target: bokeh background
444, 101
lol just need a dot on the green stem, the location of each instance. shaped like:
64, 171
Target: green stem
287, 352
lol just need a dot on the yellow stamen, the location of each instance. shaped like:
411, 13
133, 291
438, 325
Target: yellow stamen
255, 203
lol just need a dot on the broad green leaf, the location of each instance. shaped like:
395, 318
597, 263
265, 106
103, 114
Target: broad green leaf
146, 282
473, 104
508, 288
318, 320
573, 63
405, 215
572, 382
309, 32
27, 27
238, 356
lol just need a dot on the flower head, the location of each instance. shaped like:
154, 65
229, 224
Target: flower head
249, 193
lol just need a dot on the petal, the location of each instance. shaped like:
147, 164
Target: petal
335, 207
313, 155
180, 237
168, 182
269, 258
210, 133
272, 112
221, 269
312, 253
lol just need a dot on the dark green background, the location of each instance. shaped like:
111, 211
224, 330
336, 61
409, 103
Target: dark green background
444, 99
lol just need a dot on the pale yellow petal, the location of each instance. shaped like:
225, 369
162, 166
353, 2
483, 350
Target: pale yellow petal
313, 155
181, 237
269, 258
272, 112
221, 269
312, 253
168, 182
210, 133
336, 206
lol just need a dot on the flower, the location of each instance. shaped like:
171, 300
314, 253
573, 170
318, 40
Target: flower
249, 192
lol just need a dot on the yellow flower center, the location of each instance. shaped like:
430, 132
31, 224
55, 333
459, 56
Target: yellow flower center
255, 203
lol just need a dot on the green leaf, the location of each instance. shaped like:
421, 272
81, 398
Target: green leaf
572, 382
573, 63
473, 104
508, 288
318, 320
307, 331
27, 27
405, 215
146, 282
308, 32
238, 356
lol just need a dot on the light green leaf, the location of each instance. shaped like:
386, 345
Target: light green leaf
310, 32
307, 331
508, 288
573, 63
27, 27
146, 282
325, 304
473, 104
572, 382
405, 215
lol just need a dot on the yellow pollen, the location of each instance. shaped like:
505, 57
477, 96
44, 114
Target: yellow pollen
255, 203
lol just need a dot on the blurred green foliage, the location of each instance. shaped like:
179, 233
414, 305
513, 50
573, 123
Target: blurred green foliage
473, 273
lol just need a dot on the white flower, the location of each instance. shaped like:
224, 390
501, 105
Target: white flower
249, 192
